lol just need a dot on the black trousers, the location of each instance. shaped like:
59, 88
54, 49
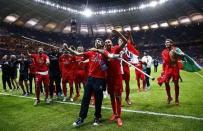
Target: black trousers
31, 78
155, 68
96, 86
57, 80
6, 79
148, 71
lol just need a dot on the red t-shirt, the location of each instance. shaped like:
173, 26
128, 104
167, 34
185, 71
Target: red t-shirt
139, 66
67, 63
32, 67
40, 62
167, 63
126, 68
79, 65
114, 67
95, 61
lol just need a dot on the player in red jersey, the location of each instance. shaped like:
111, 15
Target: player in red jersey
67, 67
41, 64
170, 69
140, 65
114, 76
80, 72
126, 77
95, 83
32, 70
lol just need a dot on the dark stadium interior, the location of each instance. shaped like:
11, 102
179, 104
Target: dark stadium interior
185, 36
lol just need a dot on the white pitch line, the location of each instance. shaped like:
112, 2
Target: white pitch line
125, 110
199, 74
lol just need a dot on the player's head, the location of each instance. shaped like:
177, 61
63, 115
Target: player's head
22, 56
5, 57
108, 44
54, 50
80, 49
169, 43
120, 41
40, 50
145, 53
72, 47
99, 44
64, 45
13, 57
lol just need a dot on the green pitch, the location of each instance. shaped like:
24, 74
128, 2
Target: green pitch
19, 113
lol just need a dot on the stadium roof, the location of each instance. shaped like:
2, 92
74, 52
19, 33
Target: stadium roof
56, 15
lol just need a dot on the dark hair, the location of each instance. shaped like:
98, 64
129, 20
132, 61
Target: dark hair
170, 40
102, 42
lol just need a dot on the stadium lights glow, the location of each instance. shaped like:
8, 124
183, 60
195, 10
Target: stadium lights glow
197, 17
101, 30
153, 3
154, 26
119, 29
136, 28
184, 20
11, 18
88, 12
174, 22
164, 24
127, 28
50, 26
67, 29
109, 29
84, 30
32, 22
146, 27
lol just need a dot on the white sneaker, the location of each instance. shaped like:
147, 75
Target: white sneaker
71, 99
148, 87
51, 100
64, 99
47, 101
36, 102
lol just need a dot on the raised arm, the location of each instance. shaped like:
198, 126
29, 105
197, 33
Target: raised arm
65, 46
130, 37
121, 37
27, 51
105, 53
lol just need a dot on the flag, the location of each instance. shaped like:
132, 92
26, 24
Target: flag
131, 48
132, 53
188, 64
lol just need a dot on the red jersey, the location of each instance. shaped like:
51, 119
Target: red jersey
40, 62
95, 64
79, 64
126, 68
139, 66
32, 67
114, 67
67, 63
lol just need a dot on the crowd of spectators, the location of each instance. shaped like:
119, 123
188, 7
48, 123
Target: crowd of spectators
188, 38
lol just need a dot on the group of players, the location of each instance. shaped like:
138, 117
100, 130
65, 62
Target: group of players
96, 69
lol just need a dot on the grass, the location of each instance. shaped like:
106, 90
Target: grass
19, 114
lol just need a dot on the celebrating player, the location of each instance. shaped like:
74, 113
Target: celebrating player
140, 65
23, 80
170, 69
67, 66
114, 76
54, 73
95, 83
41, 64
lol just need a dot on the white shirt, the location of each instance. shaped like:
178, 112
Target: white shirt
147, 59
